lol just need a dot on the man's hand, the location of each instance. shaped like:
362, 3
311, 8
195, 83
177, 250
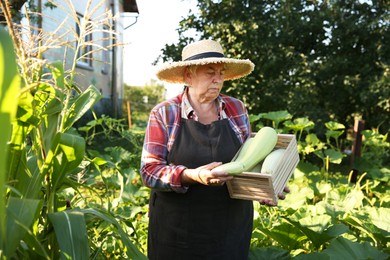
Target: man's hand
281, 196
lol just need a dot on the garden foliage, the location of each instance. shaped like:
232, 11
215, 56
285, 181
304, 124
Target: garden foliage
328, 60
42, 155
77, 194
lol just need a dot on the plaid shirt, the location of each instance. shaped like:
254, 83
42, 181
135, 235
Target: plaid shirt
162, 129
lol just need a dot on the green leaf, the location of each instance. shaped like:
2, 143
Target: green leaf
66, 154
313, 228
21, 214
334, 126
71, 233
57, 70
287, 235
276, 117
10, 81
353, 200
81, 105
99, 161
300, 124
48, 104
334, 156
132, 251
9, 89
333, 134
380, 217
312, 255
342, 248
269, 253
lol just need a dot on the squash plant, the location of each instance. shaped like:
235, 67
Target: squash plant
325, 215
321, 216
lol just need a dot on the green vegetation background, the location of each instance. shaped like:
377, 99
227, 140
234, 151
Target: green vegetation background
75, 192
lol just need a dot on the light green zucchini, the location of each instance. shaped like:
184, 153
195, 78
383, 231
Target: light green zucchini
231, 167
260, 146
271, 161
243, 149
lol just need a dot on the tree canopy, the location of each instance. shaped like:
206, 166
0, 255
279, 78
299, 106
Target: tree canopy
328, 60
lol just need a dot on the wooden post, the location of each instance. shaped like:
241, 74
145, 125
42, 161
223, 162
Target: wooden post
356, 147
128, 113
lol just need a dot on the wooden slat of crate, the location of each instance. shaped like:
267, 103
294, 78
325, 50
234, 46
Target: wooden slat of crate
251, 186
260, 186
290, 161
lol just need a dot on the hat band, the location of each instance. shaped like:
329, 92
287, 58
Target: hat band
205, 55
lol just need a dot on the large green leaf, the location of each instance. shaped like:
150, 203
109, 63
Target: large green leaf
65, 155
71, 233
380, 217
334, 156
313, 255
287, 235
268, 253
342, 248
319, 238
57, 70
373, 225
81, 105
276, 117
9, 76
48, 104
21, 128
300, 124
9, 90
21, 214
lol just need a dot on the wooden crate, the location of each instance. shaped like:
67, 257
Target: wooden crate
259, 186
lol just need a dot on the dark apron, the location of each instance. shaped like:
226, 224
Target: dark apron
203, 223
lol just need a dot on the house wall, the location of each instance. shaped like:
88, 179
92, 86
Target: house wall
108, 78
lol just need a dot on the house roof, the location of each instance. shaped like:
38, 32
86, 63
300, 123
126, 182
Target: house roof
130, 6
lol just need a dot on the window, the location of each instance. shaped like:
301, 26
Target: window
84, 54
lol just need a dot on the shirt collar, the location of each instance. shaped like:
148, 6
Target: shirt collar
187, 111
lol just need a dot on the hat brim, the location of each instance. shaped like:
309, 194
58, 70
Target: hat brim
235, 69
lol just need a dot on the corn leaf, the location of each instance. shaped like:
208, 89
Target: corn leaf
71, 233
66, 154
48, 103
81, 105
21, 214
132, 251
57, 70
9, 90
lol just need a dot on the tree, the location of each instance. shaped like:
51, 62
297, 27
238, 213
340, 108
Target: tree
328, 60
16, 7
142, 100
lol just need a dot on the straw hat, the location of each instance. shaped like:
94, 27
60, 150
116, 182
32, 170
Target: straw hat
201, 53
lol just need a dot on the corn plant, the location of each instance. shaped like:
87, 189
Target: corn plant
41, 152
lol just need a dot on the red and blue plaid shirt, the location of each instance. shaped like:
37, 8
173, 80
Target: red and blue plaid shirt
162, 129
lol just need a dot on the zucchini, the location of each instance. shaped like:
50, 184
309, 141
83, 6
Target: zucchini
243, 149
271, 161
260, 146
257, 168
231, 167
